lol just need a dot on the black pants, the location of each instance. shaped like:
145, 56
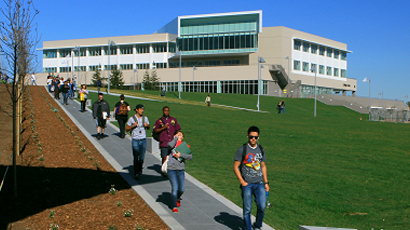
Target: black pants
56, 93
83, 103
122, 121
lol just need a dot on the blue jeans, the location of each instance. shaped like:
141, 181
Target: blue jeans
65, 95
257, 190
138, 151
177, 179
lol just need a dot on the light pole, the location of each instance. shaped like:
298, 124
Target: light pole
288, 67
179, 82
135, 70
193, 78
314, 69
370, 100
110, 43
76, 48
260, 60
381, 93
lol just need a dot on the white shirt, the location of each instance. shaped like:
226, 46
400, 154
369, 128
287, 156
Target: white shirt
33, 77
139, 132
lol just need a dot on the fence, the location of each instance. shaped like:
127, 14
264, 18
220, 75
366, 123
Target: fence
389, 114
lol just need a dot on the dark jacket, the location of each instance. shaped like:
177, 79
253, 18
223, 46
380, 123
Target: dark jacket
105, 107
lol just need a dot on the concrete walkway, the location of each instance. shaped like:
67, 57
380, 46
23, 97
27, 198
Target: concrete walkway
201, 207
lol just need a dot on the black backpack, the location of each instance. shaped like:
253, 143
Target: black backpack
157, 135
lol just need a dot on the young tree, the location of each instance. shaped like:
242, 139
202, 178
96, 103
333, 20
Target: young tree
146, 80
97, 76
116, 79
150, 81
18, 41
154, 80
408, 104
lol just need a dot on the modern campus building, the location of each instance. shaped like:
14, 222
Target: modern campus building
219, 53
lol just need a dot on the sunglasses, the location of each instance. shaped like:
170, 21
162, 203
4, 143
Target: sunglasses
252, 137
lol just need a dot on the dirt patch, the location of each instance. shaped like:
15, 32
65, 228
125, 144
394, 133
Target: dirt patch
62, 179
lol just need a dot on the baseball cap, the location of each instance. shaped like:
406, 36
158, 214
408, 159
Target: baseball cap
139, 106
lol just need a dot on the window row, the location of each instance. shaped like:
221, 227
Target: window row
98, 51
315, 49
218, 42
225, 27
330, 71
229, 62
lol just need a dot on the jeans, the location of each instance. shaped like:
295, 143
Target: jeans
65, 95
177, 179
257, 190
164, 153
138, 151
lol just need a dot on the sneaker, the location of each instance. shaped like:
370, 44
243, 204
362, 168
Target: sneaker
102, 135
175, 210
98, 136
137, 176
178, 203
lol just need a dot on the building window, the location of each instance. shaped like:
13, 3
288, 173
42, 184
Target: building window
113, 50
313, 68
336, 72
81, 68
328, 70
322, 51
94, 51
50, 54
313, 49
296, 45
50, 70
193, 63
111, 67
142, 66
296, 65
212, 63
329, 52
82, 52
64, 52
142, 49
93, 67
321, 69
344, 56
336, 54
125, 49
305, 67
125, 66
172, 47
161, 65
231, 62
159, 48
306, 47
65, 69
343, 73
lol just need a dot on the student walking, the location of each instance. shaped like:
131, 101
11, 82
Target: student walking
163, 90
167, 127
121, 114
65, 89
250, 169
137, 125
83, 97
208, 101
101, 112
176, 168
33, 79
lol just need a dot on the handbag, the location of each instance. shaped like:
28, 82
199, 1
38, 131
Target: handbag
164, 166
82, 98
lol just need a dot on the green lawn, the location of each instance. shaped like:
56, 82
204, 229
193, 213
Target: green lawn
333, 170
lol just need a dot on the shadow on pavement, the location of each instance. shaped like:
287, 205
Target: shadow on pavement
230, 221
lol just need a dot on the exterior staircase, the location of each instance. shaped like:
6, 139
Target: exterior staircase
279, 75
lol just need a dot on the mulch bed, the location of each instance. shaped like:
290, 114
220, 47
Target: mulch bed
63, 180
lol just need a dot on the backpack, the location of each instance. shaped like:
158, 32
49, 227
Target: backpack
122, 109
157, 135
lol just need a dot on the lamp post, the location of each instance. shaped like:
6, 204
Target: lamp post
77, 48
370, 100
288, 67
179, 82
135, 70
381, 93
193, 78
315, 70
260, 60
110, 43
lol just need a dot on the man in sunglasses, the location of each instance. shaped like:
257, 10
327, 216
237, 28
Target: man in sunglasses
250, 169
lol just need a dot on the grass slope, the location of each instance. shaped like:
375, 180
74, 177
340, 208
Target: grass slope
333, 170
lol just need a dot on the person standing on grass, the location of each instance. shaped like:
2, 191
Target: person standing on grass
137, 125
164, 89
98, 85
167, 126
281, 106
121, 114
83, 97
101, 112
250, 169
208, 101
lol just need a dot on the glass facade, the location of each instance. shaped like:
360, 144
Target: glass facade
307, 91
113, 50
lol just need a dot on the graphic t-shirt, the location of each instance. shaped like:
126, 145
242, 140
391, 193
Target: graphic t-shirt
250, 164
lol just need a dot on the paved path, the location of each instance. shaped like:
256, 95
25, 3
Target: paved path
201, 207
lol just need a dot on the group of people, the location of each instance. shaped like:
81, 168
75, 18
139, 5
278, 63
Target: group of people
59, 85
249, 161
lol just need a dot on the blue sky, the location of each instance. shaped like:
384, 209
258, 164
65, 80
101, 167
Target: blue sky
377, 31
